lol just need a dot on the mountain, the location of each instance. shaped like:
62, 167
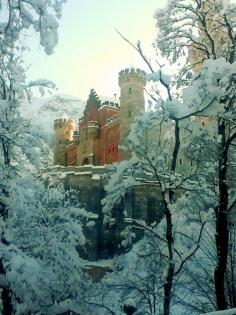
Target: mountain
43, 111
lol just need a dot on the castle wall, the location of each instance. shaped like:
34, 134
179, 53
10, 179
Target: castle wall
71, 154
99, 136
108, 146
141, 202
105, 113
216, 28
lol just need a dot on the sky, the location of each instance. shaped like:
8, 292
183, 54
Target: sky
90, 53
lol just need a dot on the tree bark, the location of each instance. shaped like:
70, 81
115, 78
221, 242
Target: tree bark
6, 294
7, 308
167, 198
222, 230
6, 156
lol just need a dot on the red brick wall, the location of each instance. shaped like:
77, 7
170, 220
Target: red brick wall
106, 112
92, 114
71, 155
106, 145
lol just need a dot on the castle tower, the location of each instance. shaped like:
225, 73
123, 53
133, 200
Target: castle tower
217, 30
89, 130
132, 83
92, 134
93, 104
63, 135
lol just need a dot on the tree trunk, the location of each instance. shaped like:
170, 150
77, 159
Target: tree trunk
167, 198
222, 230
6, 294
171, 267
168, 288
6, 155
7, 308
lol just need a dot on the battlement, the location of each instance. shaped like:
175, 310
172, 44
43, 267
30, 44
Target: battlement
63, 123
131, 74
93, 124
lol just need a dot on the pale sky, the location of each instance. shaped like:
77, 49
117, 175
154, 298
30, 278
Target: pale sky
90, 53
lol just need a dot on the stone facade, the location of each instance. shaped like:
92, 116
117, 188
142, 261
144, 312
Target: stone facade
216, 40
132, 85
63, 137
104, 126
103, 240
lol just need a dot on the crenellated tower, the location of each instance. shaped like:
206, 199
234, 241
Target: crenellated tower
132, 83
63, 135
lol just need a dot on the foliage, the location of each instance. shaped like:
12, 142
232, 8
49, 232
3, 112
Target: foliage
185, 128
44, 226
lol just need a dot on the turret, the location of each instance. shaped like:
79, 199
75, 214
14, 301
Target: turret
63, 135
217, 30
132, 83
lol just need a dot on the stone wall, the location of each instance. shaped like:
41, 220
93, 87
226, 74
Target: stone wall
141, 202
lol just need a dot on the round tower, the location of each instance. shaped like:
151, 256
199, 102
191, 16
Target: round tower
63, 135
132, 83
92, 135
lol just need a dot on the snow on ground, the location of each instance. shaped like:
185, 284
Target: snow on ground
232, 311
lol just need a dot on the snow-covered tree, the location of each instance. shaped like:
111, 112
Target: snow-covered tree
200, 115
16, 139
157, 157
206, 31
44, 227
17, 18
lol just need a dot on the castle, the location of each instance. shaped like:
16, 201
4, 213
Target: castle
81, 156
102, 130
104, 127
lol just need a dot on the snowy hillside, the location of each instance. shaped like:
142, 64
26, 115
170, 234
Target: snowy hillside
42, 111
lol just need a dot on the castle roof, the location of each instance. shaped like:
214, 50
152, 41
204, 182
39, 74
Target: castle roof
112, 101
93, 99
99, 101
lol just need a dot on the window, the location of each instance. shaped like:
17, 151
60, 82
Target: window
129, 113
180, 161
130, 90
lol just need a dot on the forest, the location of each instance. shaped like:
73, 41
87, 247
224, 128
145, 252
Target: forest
186, 262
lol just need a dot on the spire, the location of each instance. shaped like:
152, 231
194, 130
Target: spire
93, 99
